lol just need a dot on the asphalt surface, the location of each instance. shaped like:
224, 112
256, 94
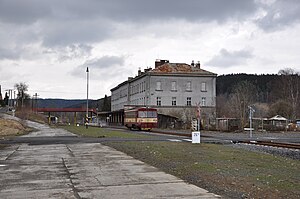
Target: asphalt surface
54, 163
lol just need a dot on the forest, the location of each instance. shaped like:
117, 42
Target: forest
268, 95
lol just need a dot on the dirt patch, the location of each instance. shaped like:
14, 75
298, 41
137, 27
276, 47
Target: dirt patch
11, 127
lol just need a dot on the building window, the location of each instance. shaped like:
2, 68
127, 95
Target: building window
189, 86
158, 86
203, 86
203, 101
173, 88
189, 101
173, 101
158, 101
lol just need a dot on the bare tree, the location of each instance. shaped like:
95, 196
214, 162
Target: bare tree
223, 110
281, 107
243, 95
22, 88
290, 89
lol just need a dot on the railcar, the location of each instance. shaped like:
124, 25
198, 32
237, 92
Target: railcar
140, 118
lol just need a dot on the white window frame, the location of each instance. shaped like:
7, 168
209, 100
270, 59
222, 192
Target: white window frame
203, 87
189, 101
158, 86
173, 86
174, 103
189, 86
158, 101
203, 101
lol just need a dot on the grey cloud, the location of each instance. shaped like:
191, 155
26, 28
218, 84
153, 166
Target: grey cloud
205, 10
62, 33
226, 58
279, 14
133, 10
72, 52
20, 12
11, 54
63, 23
104, 64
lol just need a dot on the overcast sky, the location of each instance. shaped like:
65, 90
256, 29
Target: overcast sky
49, 44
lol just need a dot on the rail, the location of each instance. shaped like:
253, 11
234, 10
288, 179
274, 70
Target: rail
273, 144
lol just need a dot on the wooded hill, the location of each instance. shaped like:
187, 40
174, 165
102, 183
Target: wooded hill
269, 95
265, 85
102, 104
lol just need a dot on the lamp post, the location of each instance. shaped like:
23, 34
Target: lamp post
87, 97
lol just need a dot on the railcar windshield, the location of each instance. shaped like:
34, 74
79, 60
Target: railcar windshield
147, 114
130, 114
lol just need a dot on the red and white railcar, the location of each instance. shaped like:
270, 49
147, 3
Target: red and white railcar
140, 118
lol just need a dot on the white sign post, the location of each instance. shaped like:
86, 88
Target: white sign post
196, 134
196, 137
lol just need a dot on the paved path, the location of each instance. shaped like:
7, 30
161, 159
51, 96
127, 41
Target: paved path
83, 170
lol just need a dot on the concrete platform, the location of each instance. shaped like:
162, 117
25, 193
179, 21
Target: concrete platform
83, 170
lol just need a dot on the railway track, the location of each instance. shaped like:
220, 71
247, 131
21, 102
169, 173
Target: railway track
273, 144
261, 143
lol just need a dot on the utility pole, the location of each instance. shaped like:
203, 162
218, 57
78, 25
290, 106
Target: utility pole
34, 102
251, 111
87, 98
14, 99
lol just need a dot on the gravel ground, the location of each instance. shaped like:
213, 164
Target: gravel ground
289, 153
288, 136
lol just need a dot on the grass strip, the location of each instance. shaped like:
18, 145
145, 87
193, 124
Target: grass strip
228, 171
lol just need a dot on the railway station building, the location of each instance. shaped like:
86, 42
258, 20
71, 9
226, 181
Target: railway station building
174, 89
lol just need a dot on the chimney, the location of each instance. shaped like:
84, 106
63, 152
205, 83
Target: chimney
160, 62
192, 64
139, 71
147, 69
198, 65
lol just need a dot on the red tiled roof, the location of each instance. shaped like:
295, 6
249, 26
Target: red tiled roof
179, 68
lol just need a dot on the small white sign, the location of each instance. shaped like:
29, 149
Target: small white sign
248, 129
196, 137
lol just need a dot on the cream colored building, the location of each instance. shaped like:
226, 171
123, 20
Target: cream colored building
173, 88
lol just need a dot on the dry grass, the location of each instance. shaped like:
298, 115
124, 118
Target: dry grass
11, 127
27, 114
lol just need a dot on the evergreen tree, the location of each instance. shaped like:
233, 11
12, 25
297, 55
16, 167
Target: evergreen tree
6, 99
106, 104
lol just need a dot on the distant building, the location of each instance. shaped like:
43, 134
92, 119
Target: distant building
174, 89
